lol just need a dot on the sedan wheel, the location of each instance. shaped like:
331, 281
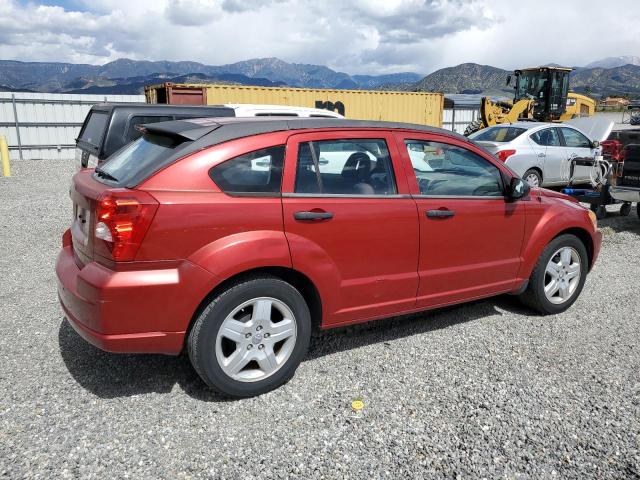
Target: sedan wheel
532, 177
256, 339
562, 275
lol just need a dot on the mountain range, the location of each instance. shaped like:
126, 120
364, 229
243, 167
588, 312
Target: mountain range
126, 76
610, 76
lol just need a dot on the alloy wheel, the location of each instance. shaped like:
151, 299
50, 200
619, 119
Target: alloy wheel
256, 339
533, 180
562, 275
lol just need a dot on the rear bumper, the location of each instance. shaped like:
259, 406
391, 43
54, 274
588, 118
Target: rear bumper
141, 311
625, 194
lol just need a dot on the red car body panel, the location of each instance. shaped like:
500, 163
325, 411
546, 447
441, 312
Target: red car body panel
377, 257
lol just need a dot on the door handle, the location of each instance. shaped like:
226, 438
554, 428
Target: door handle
440, 213
313, 216
541, 155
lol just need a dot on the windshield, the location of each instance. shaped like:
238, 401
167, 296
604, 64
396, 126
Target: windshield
138, 160
531, 85
497, 134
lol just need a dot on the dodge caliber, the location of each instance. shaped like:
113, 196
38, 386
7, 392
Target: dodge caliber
234, 238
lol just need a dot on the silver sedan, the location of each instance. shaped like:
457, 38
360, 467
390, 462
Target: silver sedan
540, 153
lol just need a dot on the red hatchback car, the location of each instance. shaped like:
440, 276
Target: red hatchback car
233, 238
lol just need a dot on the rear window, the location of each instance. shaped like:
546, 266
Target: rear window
497, 134
94, 128
139, 159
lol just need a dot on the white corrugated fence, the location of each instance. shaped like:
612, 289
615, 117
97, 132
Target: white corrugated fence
45, 125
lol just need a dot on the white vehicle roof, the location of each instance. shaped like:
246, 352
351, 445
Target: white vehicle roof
591, 127
255, 110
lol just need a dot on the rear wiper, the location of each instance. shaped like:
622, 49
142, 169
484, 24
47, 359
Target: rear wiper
101, 173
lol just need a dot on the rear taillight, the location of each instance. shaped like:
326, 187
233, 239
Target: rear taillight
122, 220
504, 154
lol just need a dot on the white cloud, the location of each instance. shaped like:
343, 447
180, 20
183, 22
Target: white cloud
361, 36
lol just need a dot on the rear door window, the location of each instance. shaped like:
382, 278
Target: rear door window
133, 133
254, 173
345, 167
94, 127
548, 137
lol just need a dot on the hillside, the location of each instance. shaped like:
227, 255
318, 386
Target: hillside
127, 76
488, 80
465, 78
130, 76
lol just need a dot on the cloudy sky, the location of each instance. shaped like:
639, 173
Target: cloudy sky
355, 36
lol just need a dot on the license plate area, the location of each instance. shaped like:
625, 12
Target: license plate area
81, 224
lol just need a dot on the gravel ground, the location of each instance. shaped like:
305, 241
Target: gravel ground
482, 390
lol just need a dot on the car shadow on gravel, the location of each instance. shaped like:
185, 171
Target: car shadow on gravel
109, 375
619, 223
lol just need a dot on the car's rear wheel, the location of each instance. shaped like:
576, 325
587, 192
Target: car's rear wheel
251, 337
558, 277
625, 209
533, 178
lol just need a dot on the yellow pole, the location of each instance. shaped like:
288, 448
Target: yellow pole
4, 156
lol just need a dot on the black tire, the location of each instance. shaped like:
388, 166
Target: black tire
530, 172
625, 209
202, 338
534, 295
473, 127
600, 211
638, 209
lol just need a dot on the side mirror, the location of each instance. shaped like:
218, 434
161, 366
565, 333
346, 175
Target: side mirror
595, 144
518, 188
508, 80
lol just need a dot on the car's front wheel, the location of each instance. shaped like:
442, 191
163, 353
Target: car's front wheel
558, 277
251, 337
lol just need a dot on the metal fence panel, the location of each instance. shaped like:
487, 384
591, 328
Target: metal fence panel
47, 123
459, 118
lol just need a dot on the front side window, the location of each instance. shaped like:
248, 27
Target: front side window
258, 172
573, 138
447, 170
548, 137
345, 167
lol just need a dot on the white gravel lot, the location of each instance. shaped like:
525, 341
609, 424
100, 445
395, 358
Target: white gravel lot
483, 390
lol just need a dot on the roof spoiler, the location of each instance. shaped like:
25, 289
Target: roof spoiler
184, 130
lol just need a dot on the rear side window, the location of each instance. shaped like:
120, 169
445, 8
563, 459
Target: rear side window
139, 159
133, 134
497, 134
548, 137
258, 172
345, 167
94, 128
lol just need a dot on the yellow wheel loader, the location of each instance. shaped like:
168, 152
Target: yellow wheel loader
541, 94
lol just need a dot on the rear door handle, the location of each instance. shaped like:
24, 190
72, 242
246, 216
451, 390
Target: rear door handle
313, 215
541, 155
440, 213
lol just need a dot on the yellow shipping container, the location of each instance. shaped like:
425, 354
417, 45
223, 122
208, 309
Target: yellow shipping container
412, 107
